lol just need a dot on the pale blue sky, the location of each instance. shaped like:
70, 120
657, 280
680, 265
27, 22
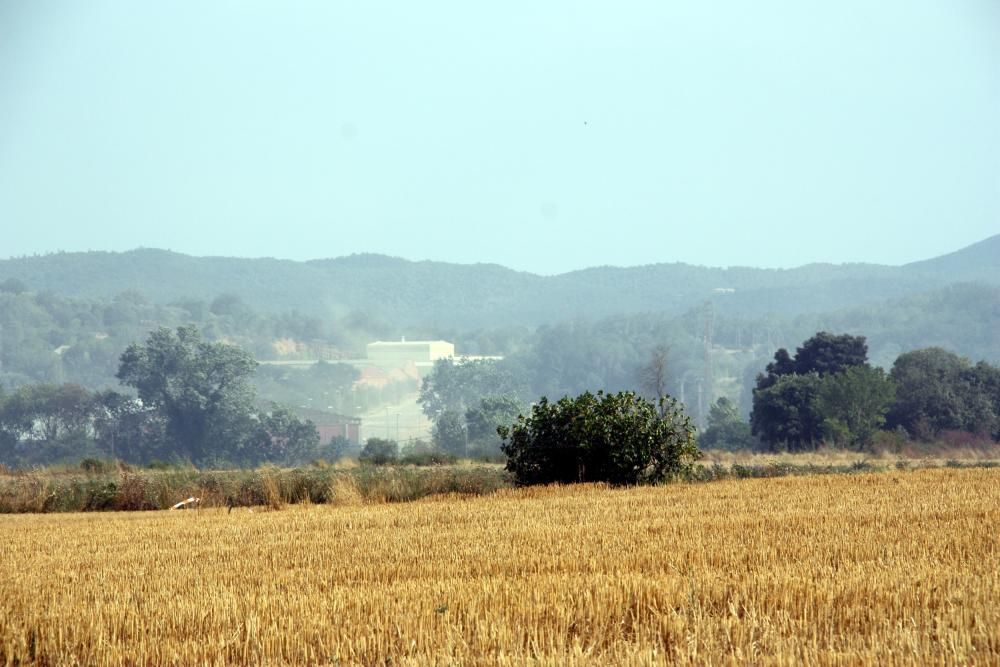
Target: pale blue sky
545, 136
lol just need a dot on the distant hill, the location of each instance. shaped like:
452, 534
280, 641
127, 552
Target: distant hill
438, 294
978, 262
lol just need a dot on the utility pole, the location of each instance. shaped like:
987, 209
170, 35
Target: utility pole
707, 372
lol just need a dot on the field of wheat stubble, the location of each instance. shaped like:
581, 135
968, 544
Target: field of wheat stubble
888, 568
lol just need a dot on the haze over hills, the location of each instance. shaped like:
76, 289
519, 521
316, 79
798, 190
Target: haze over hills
67, 317
484, 295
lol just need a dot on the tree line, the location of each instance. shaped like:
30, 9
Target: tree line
47, 338
193, 402
827, 393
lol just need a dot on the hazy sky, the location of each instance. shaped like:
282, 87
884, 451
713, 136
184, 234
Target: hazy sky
545, 136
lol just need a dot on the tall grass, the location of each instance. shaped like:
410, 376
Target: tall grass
101, 486
61, 489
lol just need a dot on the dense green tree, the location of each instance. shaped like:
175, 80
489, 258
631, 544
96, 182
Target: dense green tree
232, 305
853, 404
826, 353
725, 429
938, 390
201, 389
617, 438
196, 310
784, 414
781, 366
335, 374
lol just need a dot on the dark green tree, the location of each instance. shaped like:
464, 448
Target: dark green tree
201, 389
781, 366
827, 353
853, 404
937, 390
617, 438
784, 414
725, 428
984, 386
823, 354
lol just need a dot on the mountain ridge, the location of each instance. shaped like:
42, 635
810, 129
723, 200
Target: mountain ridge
487, 294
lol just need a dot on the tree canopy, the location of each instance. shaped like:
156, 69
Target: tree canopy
938, 390
202, 390
456, 386
827, 391
725, 429
853, 404
617, 438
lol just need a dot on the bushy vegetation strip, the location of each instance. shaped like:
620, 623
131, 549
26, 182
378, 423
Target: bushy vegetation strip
128, 490
103, 487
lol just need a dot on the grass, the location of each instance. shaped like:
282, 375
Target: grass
74, 490
881, 568
106, 487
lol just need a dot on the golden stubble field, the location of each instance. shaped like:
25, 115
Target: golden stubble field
887, 568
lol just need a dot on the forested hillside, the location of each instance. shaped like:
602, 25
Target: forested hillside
68, 317
439, 295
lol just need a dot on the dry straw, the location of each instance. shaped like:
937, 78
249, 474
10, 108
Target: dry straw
887, 568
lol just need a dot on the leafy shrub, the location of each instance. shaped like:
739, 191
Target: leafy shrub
378, 451
616, 438
103, 497
132, 493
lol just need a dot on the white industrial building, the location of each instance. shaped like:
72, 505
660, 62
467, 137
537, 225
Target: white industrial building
417, 351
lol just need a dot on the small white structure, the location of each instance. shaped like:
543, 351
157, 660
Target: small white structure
414, 350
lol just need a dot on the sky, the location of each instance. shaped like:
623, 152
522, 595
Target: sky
543, 136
